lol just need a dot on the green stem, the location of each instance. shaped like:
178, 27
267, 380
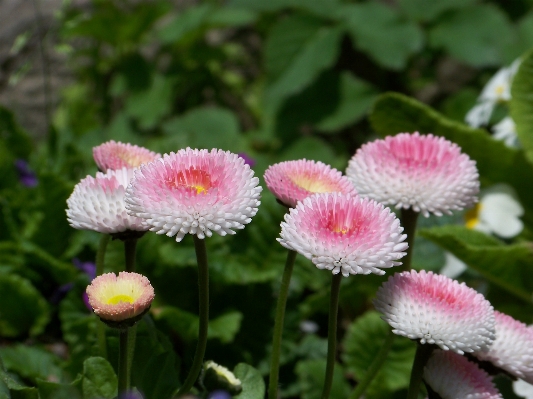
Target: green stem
423, 352
130, 245
278, 325
123, 364
408, 218
332, 333
100, 326
203, 295
374, 367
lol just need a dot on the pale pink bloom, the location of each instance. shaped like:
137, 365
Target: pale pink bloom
97, 203
195, 192
435, 309
513, 349
116, 155
344, 233
426, 173
122, 297
292, 181
452, 376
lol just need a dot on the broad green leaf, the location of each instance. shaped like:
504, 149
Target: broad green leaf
232, 16
253, 386
206, 127
23, 309
521, 103
298, 48
311, 379
507, 266
381, 33
31, 363
477, 35
525, 31
99, 380
394, 113
362, 343
319, 7
422, 10
191, 19
53, 390
11, 389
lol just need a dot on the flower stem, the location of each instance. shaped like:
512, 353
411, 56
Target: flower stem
278, 325
203, 295
100, 326
374, 367
123, 364
130, 245
423, 352
408, 218
332, 333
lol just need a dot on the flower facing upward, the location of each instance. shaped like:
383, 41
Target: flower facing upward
425, 173
195, 192
117, 155
513, 349
292, 181
344, 233
452, 376
436, 310
121, 298
98, 204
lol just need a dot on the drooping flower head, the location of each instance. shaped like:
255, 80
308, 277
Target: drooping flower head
426, 173
120, 300
116, 155
452, 376
512, 350
344, 233
97, 203
195, 192
292, 181
435, 309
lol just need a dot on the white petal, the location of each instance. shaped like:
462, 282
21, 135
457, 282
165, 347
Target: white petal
453, 266
523, 389
480, 114
500, 211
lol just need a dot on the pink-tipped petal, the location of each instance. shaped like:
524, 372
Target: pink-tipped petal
426, 173
344, 233
116, 155
292, 181
435, 309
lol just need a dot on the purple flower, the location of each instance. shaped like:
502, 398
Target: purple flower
130, 395
219, 394
60, 293
248, 160
88, 268
26, 176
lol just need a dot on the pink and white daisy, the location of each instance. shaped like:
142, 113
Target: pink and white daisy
120, 298
292, 181
452, 376
344, 233
512, 350
426, 173
97, 203
116, 155
195, 192
436, 310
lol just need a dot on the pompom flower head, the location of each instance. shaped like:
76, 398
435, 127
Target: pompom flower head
121, 300
97, 203
435, 309
344, 233
292, 181
116, 155
195, 192
452, 376
512, 350
425, 173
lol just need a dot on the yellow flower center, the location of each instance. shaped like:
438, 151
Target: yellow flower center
192, 178
499, 90
472, 216
311, 184
120, 298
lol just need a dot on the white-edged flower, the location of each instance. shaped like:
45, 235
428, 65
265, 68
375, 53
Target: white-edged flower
505, 131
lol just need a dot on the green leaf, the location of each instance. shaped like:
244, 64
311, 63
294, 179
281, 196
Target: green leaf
477, 35
11, 389
362, 343
422, 10
298, 48
205, 127
31, 363
99, 380
232, 16
507, 266
253, 386
496, 163
317, 7
315, 149
311, 379
23, 309
381, 33
52, 390
521, 103
189, 20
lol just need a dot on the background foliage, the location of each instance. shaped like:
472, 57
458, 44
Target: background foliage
276, 80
